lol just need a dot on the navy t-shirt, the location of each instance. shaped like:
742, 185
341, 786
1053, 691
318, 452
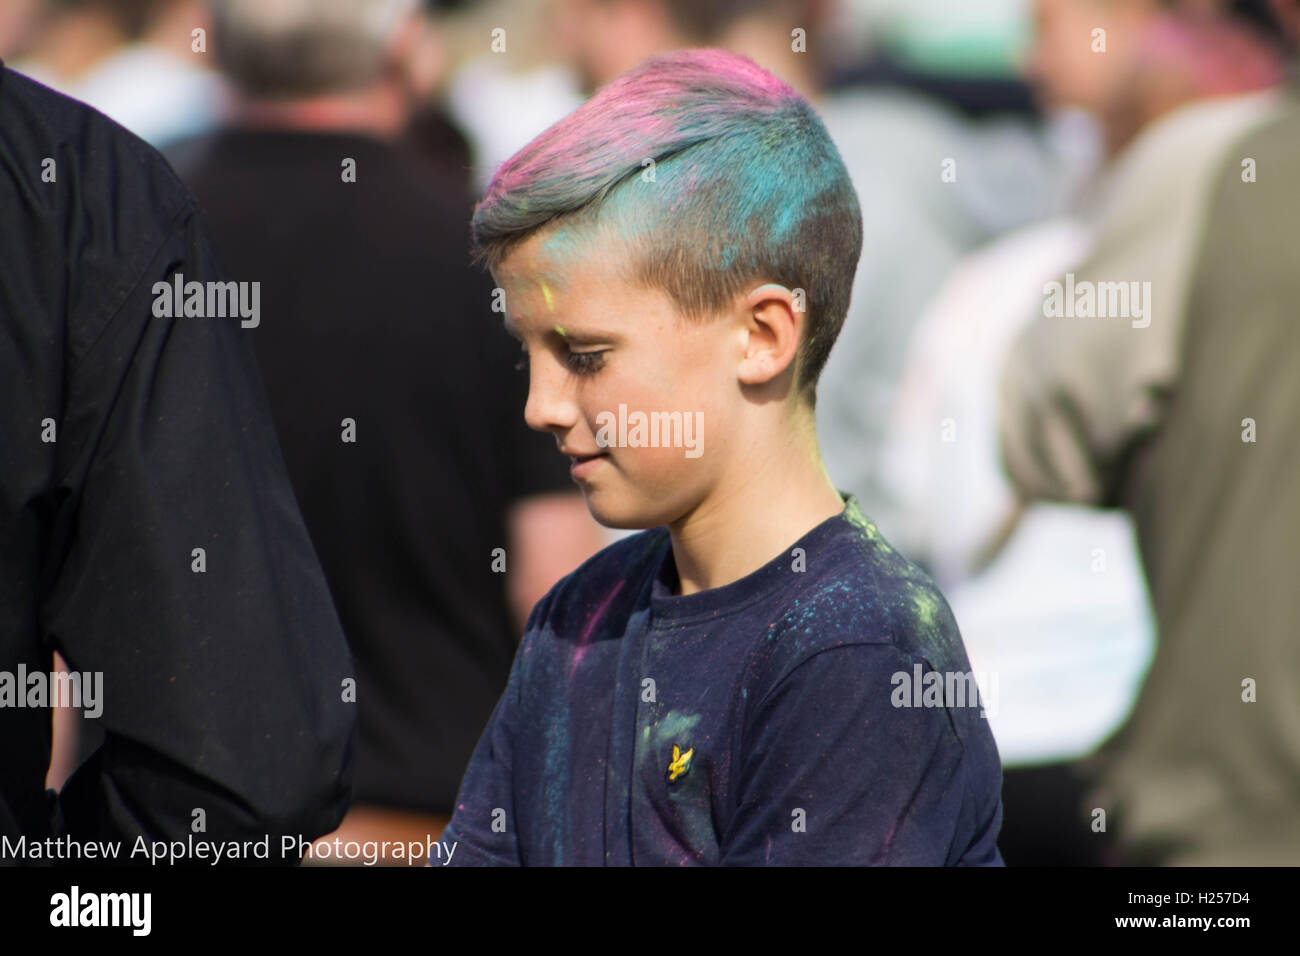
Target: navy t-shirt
762, 722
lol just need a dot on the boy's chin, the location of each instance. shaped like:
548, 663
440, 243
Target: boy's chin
622, 518
619, 512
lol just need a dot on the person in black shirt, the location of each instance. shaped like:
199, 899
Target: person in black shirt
148, 531
439, 516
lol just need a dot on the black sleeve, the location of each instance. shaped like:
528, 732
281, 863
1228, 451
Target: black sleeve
222, 682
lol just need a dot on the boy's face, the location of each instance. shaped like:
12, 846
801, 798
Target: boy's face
595, 342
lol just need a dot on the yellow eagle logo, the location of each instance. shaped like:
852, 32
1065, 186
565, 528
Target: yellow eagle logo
680, 764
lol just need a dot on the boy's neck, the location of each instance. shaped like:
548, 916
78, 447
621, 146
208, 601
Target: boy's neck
735, 532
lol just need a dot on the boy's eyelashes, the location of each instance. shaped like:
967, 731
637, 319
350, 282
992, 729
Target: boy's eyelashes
584, 363
579, 363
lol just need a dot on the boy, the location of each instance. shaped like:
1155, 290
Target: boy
734, 686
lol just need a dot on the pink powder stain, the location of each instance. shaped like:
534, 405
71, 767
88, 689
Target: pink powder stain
889, 838
585, 636
634, 101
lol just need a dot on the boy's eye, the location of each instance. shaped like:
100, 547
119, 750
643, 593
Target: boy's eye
584, 363
579, 363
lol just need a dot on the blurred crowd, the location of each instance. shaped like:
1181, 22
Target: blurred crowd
1107, 498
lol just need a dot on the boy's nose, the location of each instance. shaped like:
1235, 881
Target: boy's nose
550, 407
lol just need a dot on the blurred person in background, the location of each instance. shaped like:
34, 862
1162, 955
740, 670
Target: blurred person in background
439, 517
1050, 597
432, 130
140, 62
1178, 400
506, 82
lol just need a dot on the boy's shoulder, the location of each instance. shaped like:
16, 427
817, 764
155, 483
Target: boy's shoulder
843, 584
860, 591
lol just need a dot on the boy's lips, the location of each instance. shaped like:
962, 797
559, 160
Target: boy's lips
583, 463
581, 456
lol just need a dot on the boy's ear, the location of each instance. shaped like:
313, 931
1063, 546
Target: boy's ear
772, 329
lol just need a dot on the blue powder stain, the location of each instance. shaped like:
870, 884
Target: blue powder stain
770, 189
557, 780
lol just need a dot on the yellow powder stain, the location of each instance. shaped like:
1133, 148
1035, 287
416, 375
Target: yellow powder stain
925, 607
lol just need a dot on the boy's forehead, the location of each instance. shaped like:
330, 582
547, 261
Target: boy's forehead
554, 251
538, 274
534, 263
533, 291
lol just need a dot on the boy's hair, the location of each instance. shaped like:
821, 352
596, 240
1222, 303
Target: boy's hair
745, 186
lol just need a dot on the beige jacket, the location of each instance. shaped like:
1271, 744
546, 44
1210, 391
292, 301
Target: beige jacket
1152, 410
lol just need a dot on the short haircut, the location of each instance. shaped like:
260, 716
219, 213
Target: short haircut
281, 49
746, 186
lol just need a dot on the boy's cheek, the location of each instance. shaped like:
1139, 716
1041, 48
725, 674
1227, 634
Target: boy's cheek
645, 484
668, 484
670, 467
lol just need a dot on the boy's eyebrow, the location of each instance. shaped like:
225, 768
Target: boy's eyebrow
565, 332
570, 334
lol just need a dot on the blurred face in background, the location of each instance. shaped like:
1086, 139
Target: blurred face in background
18, 19
1063, 63
599, 39
1156, 58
